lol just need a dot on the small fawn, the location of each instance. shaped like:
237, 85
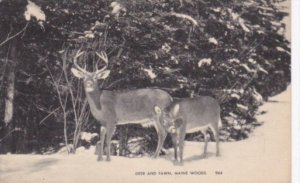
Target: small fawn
191, 115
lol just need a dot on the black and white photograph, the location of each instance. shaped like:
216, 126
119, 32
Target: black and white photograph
124, 91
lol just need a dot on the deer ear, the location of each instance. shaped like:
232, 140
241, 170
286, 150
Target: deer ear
157, 110
103, 74
176, 109
77, 73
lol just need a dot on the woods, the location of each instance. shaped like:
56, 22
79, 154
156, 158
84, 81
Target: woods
231, 50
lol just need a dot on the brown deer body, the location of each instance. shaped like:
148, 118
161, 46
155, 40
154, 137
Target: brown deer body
191, 115
111, 108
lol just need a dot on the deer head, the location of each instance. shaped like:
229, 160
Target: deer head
91, 78
169, 118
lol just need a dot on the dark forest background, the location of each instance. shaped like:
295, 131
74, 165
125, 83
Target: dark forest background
232, 50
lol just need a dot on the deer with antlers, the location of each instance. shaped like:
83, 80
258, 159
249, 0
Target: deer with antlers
111, 108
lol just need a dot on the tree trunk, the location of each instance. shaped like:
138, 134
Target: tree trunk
9, 99
10, 91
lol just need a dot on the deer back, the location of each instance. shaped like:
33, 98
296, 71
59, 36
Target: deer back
133, 106
196, 112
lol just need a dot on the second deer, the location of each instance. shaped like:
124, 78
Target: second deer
191, 115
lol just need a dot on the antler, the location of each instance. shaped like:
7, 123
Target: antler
103, 57
78, 54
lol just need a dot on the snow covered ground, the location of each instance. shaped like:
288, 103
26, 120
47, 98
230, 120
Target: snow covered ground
264, 157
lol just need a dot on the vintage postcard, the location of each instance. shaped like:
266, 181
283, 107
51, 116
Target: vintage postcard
145, 91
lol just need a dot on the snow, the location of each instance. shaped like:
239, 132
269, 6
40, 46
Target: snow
166, 47
242, 24
86, 136
262, 69
32, 10
204, 61
150, 73
264, 157
234, 95
187, 17
89, 34
245, 66
278, 48
241, 21
242, 107
257, 96
213, 40
116, 8
234, 60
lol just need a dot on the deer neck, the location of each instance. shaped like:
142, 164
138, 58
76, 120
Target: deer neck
94, 102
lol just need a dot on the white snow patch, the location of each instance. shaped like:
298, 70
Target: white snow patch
116, 8
234, 60
247, 68
234, 95
260, 68
182, 79
204, 61
280, 49
90, 35
218, 9
86, 136
150, 73
173, 58
257, 96
241, 21
213, 40
33, 10
235, 16
237, 127
166, 47
233, 115
184, 16
242, 24
242, 107
252, 61
270, 144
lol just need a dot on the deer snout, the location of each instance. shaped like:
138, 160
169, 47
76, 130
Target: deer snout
89, 86
172, 129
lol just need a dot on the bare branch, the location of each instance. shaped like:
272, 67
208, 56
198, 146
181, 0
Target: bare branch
11, 37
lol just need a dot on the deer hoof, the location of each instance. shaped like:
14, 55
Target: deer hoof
108, 159
99, 159
155, 156
203, 156
178, 163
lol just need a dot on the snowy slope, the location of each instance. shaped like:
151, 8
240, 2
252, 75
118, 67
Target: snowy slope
264, 157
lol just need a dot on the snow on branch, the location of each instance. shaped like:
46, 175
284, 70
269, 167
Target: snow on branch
150, 73
117, 8
186, 17
33, 10
204, 61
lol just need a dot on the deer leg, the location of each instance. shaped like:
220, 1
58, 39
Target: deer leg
102, 137
175, 144
205, 143
162, 134
109, 134
121, 142
216, 135
181, 144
